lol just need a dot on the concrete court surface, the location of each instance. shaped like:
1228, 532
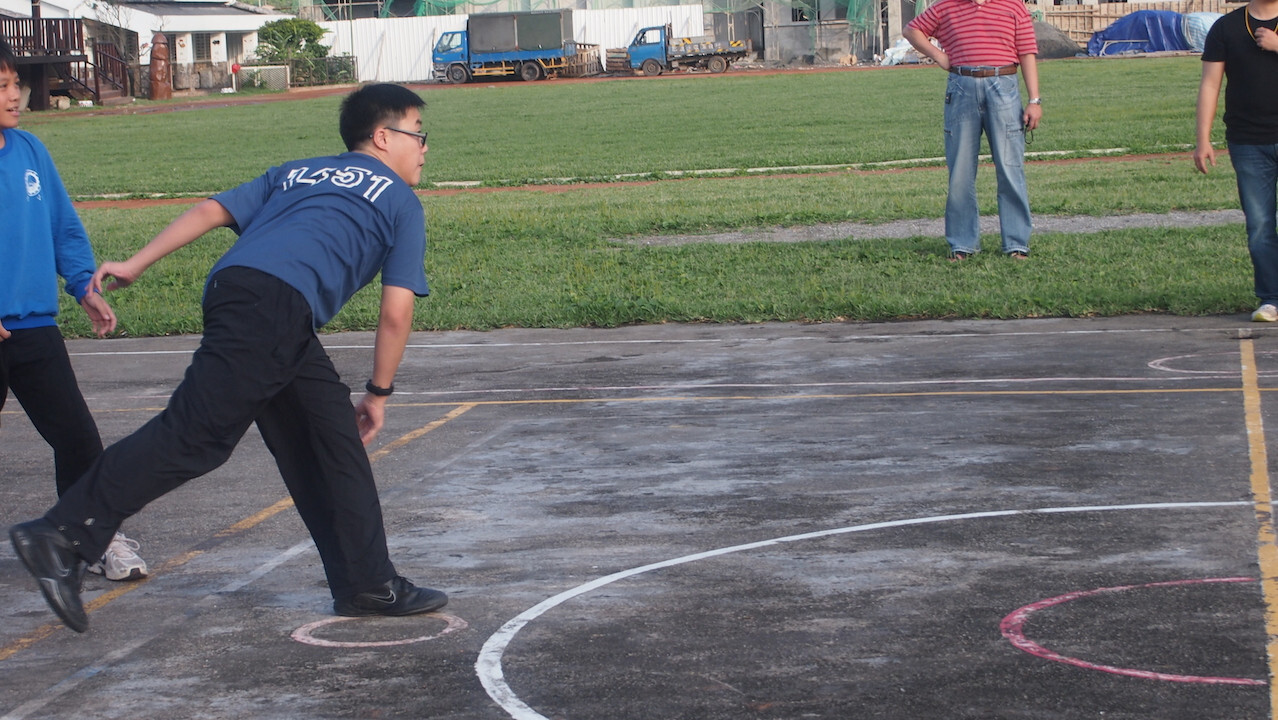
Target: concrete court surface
1018, 519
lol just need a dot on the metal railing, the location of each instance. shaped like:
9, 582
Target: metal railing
323, 71
110, 67
57, 36
51, 39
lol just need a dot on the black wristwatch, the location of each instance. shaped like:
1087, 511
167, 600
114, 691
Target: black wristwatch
379, 391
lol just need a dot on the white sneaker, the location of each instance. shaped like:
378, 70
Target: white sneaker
1265, 313
121, 560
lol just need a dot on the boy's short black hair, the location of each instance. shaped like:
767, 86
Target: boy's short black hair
374, 106
8, 61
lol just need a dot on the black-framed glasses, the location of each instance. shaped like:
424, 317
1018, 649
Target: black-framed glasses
421, 136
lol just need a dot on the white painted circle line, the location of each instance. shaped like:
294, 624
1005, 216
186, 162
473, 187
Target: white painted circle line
488, 666
1167, 364
305, 634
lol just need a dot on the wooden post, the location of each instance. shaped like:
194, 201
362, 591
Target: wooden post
39, 78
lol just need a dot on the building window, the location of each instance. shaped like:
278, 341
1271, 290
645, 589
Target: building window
201, 46
799, 13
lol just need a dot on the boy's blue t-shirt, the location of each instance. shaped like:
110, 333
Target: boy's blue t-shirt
327, 226
41, 233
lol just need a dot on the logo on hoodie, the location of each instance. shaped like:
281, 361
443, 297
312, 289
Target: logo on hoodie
32, 179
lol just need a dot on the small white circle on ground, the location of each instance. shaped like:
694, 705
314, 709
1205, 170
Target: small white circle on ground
305, 634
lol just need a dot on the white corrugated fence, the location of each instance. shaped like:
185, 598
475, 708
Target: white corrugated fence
399, 49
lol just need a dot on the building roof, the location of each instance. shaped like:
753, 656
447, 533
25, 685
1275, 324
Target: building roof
173, 8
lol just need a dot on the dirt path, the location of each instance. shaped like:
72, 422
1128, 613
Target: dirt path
926, 227
936, 228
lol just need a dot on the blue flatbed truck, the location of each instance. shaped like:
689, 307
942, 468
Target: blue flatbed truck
530, 45
656, 50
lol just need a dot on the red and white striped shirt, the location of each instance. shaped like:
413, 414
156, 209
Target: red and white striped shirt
995, 32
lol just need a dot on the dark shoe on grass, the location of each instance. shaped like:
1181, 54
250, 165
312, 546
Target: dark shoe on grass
395, 598
51, 558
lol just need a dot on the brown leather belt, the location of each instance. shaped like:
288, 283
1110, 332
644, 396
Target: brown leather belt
984, 71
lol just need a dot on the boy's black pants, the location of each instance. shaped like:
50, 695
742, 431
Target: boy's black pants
259, 361
35, 366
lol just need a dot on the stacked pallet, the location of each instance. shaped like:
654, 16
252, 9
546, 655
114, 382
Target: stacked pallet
617, 60
584, 63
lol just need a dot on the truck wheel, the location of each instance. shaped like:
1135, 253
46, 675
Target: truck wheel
651, 67
717, 64
457, 74
531, 72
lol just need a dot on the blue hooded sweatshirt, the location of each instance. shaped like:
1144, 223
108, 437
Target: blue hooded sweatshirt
41, 237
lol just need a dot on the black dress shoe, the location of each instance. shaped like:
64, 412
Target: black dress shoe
395, 598
51, 558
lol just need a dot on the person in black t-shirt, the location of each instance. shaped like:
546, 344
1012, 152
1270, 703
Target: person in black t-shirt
1242, 48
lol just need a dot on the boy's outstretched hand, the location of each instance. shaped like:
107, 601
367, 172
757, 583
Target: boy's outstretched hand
122, 275
99, 312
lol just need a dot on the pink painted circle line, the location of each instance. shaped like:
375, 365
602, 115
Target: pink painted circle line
305, 634
1013, 628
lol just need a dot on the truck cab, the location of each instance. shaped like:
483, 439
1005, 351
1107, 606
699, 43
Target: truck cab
648, 50
451, 58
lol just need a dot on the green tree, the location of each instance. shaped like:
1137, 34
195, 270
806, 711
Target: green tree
285, 40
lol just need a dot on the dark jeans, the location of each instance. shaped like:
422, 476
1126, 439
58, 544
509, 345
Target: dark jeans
35, 366
259, 361
1257, 169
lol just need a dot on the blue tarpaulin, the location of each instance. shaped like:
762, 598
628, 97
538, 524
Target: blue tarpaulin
1141, 31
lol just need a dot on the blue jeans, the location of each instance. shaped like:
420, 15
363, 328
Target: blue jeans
991, 106
1257, 169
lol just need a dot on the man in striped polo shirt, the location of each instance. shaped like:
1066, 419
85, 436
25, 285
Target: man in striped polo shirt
982, 43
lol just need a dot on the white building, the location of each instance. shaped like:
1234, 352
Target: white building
205, 36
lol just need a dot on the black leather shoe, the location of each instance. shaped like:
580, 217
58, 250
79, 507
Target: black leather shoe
51, 558
395, 598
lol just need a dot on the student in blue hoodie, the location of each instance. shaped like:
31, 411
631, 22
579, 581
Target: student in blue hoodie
43, 240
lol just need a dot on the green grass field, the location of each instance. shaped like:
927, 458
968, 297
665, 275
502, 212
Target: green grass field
527, 257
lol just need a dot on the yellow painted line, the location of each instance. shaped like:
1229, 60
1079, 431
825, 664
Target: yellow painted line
255, 519
822, 396
23, 643
1262, 499
44, 631
405, 439
247, 523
